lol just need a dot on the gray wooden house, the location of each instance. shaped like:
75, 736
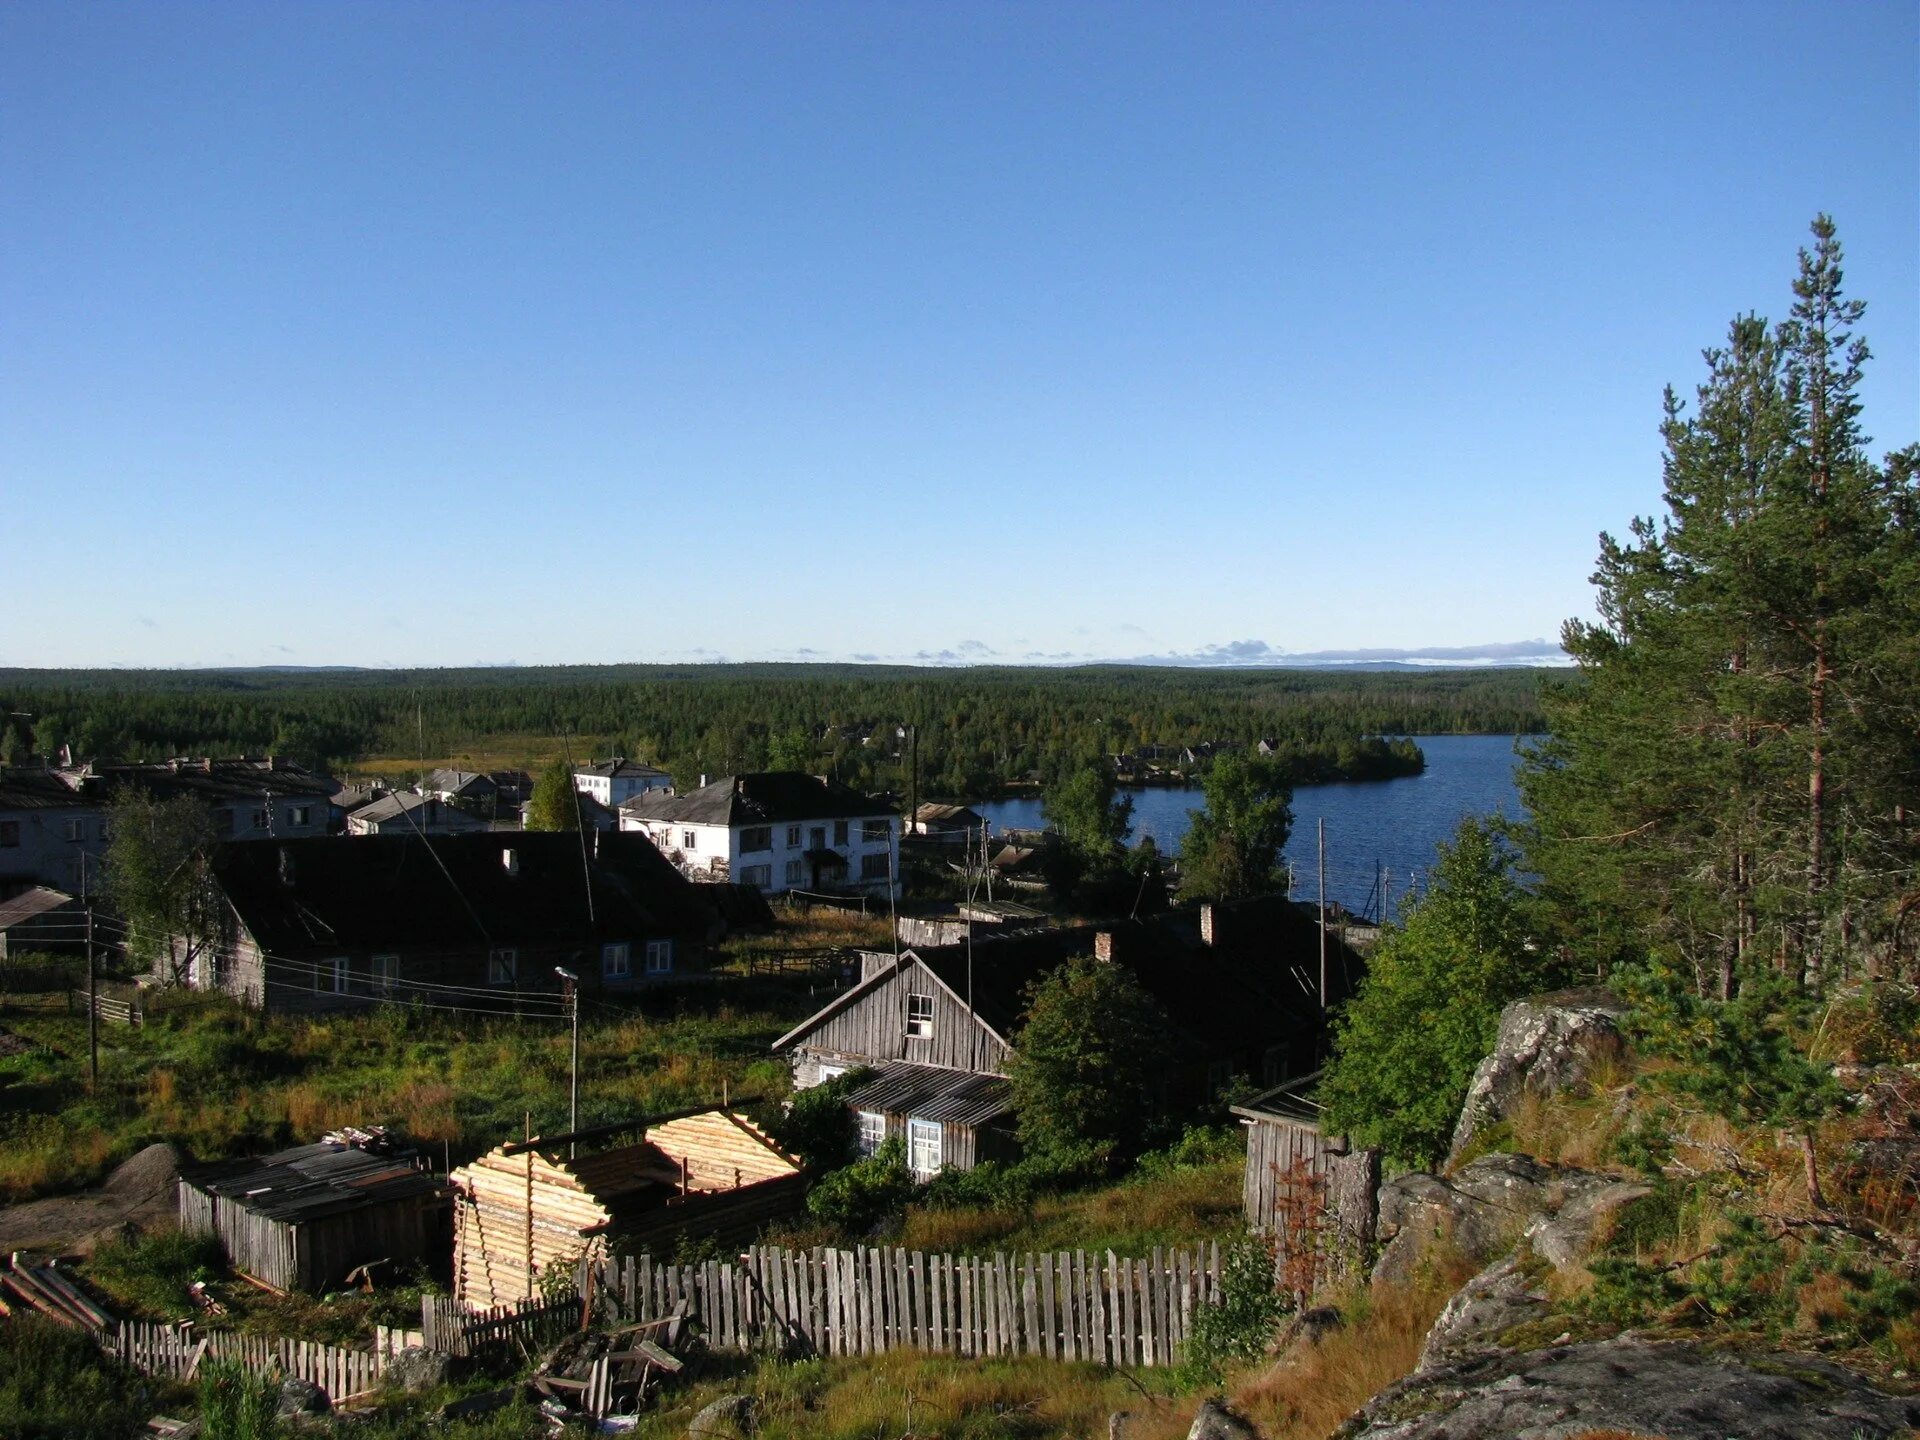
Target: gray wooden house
303, 1219
1310, 1193
938, 1024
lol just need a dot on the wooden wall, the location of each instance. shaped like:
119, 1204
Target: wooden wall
875, 1026
316, 1254
1331, 1189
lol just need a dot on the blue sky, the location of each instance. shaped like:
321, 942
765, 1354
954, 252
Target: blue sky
409, 334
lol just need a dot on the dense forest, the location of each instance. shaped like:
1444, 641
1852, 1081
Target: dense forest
975, 730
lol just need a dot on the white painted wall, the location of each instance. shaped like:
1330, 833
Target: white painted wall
721, 842
613, 792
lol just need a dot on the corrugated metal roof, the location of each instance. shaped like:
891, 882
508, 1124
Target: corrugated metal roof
29, 903
311, 1181
926, 1092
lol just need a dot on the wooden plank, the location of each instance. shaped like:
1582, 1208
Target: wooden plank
1049, 1315
1150, 1297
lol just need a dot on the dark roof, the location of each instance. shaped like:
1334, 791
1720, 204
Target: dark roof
39, 900
927, 1092
460, 782
621, 768
1290, 1103
215, 781
32, 788
368, 892
929, 813
405, 802
1256, 985
768, 798
313, 1181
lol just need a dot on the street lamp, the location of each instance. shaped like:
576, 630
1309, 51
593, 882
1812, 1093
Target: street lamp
570, 990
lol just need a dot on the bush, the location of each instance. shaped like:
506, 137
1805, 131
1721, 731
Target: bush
816, 1126
1241, 1326
55, 1385
857, 1197
1198, 1145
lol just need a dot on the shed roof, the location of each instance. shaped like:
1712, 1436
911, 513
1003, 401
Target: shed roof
767, 798
309, 1182
38, 900
926, 1092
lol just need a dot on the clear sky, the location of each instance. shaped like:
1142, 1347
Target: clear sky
442, 334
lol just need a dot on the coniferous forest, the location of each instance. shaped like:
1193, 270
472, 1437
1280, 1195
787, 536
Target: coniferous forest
975, 729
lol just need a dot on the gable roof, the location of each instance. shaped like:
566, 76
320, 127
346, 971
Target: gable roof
621, 768
36, 900
769, 797
338, 892
1255, 984
405, 802
217, 781
460, 782
24, 787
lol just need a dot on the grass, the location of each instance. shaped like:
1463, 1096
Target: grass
1185, 1207
219, 1081
55, 1385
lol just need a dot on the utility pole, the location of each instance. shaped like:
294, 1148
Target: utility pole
1386, 895
570, 990
1322, 827
93, 982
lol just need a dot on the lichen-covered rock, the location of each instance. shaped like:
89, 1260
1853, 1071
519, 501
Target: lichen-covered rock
300, 1399
1676, 1390
1567, 1236
417, 1368
1547, 1044
1508, 1293
1215, 1421
730, 1415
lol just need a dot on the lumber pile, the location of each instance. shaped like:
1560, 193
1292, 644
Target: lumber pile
601, 1375
42, 1286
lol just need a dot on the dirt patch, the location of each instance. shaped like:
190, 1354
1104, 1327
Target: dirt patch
141, 1193
12, 1044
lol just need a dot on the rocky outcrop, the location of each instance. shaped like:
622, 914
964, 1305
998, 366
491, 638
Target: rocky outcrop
1215, 1421
1676, 1390
1487, 1205
1547, 1044
725, 1418
1507, 1294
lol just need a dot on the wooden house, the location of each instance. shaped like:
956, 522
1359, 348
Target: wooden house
303, 1219
340, 922
528, 1209
938, 1024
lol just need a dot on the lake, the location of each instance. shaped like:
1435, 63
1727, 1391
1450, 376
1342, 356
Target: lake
1372, 826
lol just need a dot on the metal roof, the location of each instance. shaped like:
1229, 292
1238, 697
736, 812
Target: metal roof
926, 1092
29, 903
312, 1181
1289, 1103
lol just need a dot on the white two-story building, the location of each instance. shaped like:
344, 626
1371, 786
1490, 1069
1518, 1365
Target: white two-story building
616, 781
776, 831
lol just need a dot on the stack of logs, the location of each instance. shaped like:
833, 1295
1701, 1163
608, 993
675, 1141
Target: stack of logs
42, 1287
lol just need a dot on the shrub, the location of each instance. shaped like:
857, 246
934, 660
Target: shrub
1198, 1145
815, 1125
857, 1197
1241, 1326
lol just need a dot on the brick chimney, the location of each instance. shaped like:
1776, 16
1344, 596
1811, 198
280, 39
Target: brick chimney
1208, 934
1103, 946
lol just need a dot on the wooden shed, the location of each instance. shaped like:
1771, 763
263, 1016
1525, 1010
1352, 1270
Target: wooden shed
527, 1209
303, 1219
1311, 1194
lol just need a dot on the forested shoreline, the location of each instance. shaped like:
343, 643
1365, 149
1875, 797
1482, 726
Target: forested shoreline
977, 730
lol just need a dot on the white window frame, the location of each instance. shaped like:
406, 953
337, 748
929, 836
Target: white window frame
870, 1129
659, 957
793, 836
796, 872
830, 1072
76, 831
919, 1017
925, 1141
503, 966
386, 969
689, 839
758, 876
263, 818
300, 815
616, 961
330, 976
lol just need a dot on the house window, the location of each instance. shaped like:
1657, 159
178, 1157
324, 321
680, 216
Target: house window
923, 1147
689, 839
261, 819
819, 837
919, 1016
76, 831
659, 957
876, 867
300, 815
9, 834
758, 876
386, 969
758, 837
794, 868
503, 967
873, 1130
330, 976
876, 832
839, 832
831, 1072
793, 836
616, 961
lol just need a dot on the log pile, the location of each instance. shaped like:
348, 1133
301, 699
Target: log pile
42, 1287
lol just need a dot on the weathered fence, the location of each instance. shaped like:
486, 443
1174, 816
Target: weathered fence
177, 1351
1062, 1305
526, 1325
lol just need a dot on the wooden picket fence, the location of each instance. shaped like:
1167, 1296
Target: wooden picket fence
526, 1326
177, 1351
1063, 1305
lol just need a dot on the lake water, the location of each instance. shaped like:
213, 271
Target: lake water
1373, 826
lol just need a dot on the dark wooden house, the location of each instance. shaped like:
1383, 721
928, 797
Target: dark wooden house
1239, 985
305, 1218
337, 922
525, 1210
